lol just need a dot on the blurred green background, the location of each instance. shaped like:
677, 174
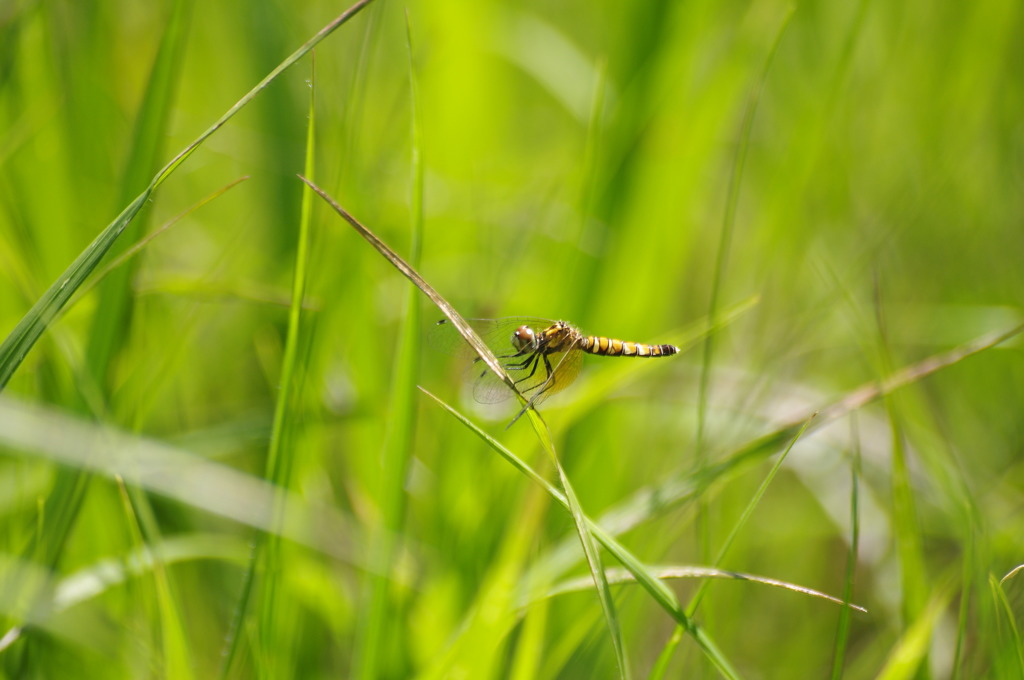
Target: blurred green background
578, 159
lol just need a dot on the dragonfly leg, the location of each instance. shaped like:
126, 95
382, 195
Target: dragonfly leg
545, 384
550, 382
522, 366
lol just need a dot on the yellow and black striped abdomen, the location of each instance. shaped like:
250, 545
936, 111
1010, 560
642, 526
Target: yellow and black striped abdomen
610, 347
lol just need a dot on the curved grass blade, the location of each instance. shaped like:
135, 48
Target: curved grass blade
1000, 597
660, 592
18, 343
103, 576
623, 576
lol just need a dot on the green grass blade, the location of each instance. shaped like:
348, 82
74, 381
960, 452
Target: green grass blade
691, 609
657, 499
660, 592
1004, 606
277, 618
18, 343
175, 652
110, 324
24, 336
53, 435
843, 628
660, 667
624, 576
464, 329
92, 581
370, 656
911, 650
717, 279
590, 551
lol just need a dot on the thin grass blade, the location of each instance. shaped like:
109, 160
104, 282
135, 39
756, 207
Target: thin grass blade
465, 330
624, 576
717, 279
911, 649
590, 550
655, 500
371, 649
18, 343
843, 628
1003, 602
110, 323
660, 592
746, 514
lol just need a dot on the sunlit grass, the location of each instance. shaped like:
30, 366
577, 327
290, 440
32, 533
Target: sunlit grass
214, 455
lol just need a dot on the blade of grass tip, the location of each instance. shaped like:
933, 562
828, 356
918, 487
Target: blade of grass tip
464, 329
590, 551
717, 280
18, 343
660, 592
843, 628
691, 610
372, 642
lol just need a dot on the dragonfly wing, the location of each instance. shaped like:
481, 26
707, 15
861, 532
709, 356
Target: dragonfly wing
531, 375
488, 388
496, 334
565, 366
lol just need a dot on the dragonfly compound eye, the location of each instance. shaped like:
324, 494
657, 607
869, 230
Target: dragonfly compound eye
523, 337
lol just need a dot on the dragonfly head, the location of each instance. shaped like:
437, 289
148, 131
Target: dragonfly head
523, 337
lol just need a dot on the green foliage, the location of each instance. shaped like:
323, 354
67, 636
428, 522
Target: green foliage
216, 461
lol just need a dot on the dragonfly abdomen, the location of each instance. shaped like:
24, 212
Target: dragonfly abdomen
611, 347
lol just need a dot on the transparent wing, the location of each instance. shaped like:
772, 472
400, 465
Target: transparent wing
529, 370
496, 334
564, 367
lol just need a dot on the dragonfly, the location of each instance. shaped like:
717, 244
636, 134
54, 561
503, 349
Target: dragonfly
542, 356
